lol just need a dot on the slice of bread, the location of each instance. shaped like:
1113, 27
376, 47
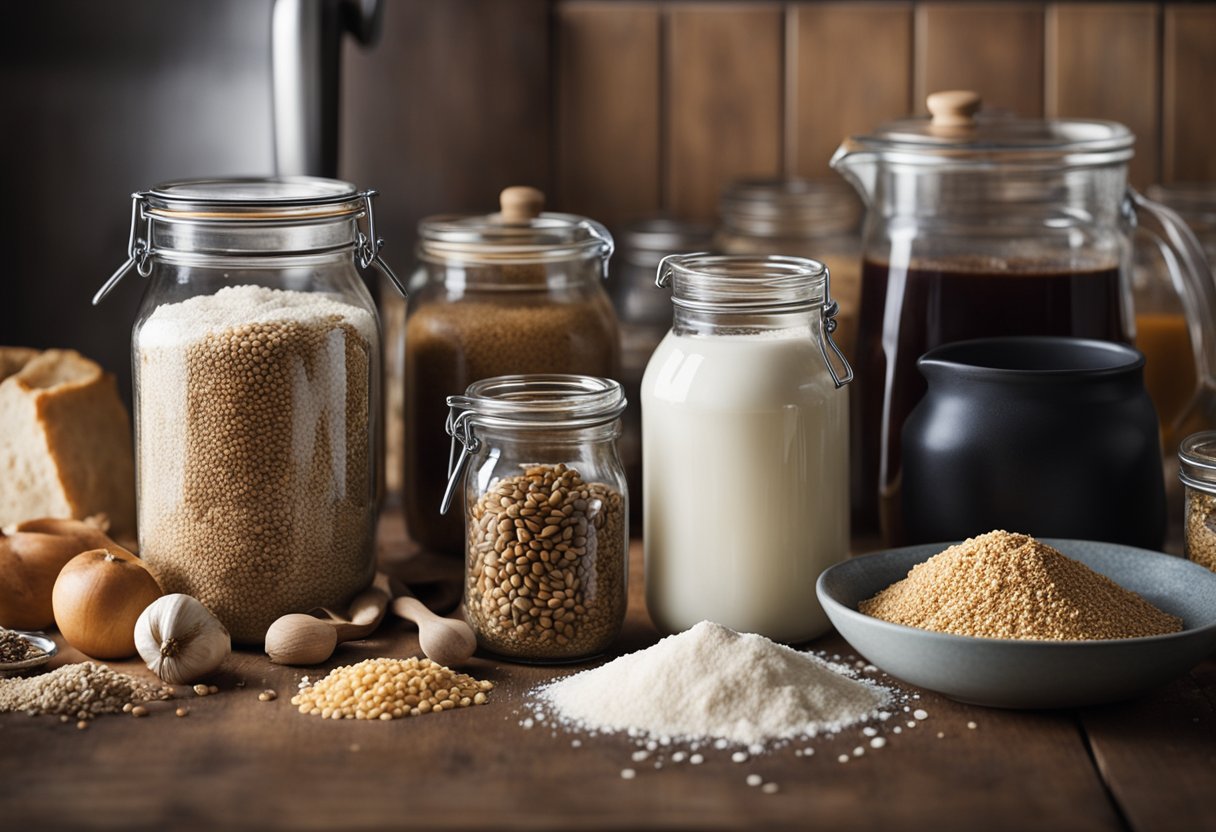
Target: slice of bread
65, 440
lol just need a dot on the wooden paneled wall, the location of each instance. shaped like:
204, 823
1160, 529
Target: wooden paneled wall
621, 109
660, 104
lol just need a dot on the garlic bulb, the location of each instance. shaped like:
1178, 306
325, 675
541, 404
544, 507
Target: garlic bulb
180, 639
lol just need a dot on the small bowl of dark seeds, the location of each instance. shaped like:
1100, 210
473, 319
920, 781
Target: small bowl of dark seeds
21, 651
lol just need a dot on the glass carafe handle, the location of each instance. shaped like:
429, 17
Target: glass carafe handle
1192, 277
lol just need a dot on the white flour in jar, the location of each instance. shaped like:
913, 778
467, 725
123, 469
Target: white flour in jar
745, 468
713, 683
254, 442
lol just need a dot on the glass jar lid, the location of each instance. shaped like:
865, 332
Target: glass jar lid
253, 199
1197, 461
533, 402
790, 207
745, 282
197, 219
957, 132
756, 285
519, 233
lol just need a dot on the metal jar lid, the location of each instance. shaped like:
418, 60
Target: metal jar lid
518, 234
201, 218
1197, 461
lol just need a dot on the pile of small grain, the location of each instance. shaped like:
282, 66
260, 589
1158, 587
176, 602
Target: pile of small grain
450, 344
546, 565
256, 495
14, 648
710, 682
1003, 585
1201, 528
80, 691
389, 689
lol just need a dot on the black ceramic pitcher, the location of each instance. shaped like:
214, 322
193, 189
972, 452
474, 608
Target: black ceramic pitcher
1053, 437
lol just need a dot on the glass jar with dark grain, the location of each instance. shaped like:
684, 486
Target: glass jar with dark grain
517, 291
545, 513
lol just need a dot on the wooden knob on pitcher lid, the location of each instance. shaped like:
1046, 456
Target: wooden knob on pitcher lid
520, 204
953, 108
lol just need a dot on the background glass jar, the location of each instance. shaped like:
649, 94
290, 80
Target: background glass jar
645, 316
513, 292
545, 513
1197, 461
745, 447
256, 378
819, 218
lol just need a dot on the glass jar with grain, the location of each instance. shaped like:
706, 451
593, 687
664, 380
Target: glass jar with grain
256, 359
545, 513
518, 291
817, 218
1197, 460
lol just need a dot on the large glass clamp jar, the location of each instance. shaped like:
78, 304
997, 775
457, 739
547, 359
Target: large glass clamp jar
981, 225
256, 357
745, 447
545, 513
516, 291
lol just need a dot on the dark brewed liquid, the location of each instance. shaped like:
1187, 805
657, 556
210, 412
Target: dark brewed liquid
907, 311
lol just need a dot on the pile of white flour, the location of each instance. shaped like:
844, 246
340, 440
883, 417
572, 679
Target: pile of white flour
710, 682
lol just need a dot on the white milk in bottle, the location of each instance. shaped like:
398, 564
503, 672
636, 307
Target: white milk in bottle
745, 448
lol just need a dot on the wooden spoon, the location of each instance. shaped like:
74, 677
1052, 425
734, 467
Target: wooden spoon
445, 641
303, 638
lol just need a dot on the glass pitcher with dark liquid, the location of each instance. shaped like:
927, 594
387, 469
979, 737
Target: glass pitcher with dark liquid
986, 225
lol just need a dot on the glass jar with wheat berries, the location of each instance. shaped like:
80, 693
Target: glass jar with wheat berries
257, 392
515, 291
545, 514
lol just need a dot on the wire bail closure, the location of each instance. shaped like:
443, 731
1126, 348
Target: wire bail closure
139, 252
459, 426
368, 245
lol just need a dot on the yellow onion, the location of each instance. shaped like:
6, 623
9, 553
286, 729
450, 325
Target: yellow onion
97, 599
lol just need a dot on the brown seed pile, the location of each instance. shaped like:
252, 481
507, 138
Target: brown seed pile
449, 345
79, 691
1003, 585
256, 491
546, 565
387, 689
14, 648
1201, 528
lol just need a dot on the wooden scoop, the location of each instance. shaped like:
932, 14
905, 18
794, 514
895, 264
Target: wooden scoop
303, 638
445, 641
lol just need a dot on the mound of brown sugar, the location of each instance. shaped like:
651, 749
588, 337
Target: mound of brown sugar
1003, 585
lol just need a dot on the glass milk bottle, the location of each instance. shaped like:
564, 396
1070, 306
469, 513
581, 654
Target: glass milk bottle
745, 447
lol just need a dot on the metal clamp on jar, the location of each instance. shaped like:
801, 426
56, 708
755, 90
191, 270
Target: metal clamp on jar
545, 513
257, 393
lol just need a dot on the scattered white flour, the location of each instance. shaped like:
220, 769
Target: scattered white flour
710, 682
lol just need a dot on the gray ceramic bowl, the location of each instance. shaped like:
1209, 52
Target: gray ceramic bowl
1006, 673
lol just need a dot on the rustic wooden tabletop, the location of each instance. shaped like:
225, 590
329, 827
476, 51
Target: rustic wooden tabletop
238, 763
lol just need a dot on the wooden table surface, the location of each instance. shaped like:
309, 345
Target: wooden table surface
238, 763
